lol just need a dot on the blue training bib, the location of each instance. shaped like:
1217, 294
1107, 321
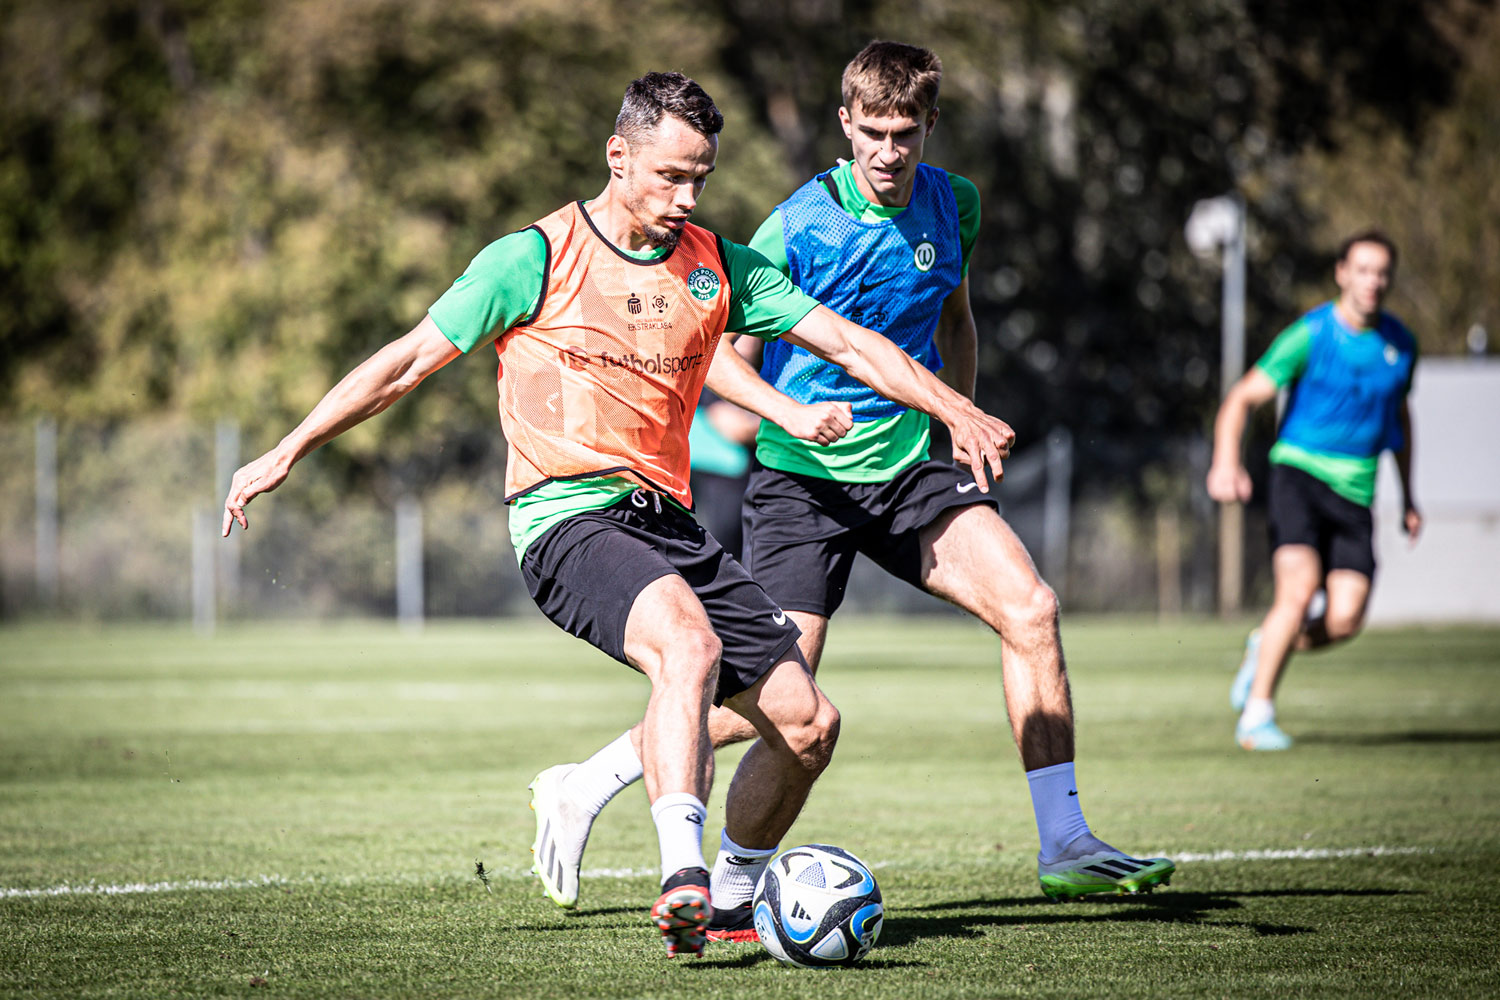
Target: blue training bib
891, 276
1348, 399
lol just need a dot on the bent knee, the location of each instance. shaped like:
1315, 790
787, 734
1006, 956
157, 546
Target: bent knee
692, 658
1341, 627
1295, 598
812, 741
1036, 608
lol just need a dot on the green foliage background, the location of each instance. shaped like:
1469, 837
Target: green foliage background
212, 209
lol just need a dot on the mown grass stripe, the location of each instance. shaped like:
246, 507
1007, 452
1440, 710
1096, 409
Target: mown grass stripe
262, 881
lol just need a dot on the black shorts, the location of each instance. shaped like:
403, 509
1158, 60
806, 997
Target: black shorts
586, 572
1304, 510
802, 532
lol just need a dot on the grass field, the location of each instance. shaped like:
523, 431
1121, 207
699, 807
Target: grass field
296, 810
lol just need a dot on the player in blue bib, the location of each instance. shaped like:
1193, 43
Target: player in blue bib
884, 241
1348, 367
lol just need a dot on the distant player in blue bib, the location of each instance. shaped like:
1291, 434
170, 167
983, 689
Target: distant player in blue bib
1347, 366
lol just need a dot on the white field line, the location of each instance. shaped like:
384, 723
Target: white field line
133, 888
1298, 854
263, 881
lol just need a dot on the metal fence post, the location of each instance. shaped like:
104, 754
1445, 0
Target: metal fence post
47, 570
226, 461
1057, 510
205, 532
409, 563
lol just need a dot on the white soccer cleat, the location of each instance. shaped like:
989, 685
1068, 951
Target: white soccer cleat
562, 832
1089, 865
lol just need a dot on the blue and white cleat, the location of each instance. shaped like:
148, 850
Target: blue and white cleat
1266, 736
1239, 691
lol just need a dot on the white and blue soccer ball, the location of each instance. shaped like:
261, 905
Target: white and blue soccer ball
817, 906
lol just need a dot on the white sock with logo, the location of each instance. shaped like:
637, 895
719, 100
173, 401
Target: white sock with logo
1054, 799
679, 820
736, 871
1258, 711
603, 776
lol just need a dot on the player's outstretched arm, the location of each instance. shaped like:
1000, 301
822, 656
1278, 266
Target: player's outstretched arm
1227, 479
1411, 518
735, 381
957, 341
386, 376
978, 438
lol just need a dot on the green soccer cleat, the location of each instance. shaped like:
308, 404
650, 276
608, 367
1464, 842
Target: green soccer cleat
1089, 865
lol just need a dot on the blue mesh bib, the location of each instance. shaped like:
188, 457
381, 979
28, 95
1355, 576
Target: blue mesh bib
1348, 400
891, 276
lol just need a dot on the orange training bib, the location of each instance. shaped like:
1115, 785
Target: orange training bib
604, 377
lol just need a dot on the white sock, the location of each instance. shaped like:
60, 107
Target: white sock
1054, 799
1258, 711
679, 820
736, 870
603, 776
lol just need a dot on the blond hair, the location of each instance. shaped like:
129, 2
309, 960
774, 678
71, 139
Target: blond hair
891, 78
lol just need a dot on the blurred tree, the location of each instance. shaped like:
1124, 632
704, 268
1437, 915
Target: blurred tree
1091, 128
1433, 190
305, 182
215, 207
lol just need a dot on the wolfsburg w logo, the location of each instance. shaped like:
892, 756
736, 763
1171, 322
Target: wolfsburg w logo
703, 283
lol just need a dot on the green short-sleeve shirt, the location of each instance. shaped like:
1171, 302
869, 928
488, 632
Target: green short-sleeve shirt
500, 289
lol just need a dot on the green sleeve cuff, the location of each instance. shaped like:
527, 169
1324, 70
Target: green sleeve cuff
500, 288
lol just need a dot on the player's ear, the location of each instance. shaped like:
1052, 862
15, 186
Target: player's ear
847, 122
932, 117
616, 155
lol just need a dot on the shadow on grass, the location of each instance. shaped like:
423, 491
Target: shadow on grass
1397, 739
718, 956
916, 923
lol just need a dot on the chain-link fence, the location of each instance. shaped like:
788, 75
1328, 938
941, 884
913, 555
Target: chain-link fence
122, 521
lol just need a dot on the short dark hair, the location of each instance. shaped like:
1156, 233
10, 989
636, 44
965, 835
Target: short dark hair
892, 78
1371, 235
656, 94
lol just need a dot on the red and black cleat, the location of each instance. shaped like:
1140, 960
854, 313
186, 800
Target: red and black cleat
683, 912
737, 925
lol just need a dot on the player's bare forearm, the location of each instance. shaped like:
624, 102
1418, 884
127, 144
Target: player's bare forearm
1404, 458
978, 438
380, 380
733, 379
877, 362
1227, 479
957, 341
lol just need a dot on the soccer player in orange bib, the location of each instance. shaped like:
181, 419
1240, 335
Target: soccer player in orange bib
604, 316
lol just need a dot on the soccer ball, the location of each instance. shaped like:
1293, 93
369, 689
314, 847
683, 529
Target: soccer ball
817, 906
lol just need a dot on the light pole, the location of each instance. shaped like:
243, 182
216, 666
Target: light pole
1219, 224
